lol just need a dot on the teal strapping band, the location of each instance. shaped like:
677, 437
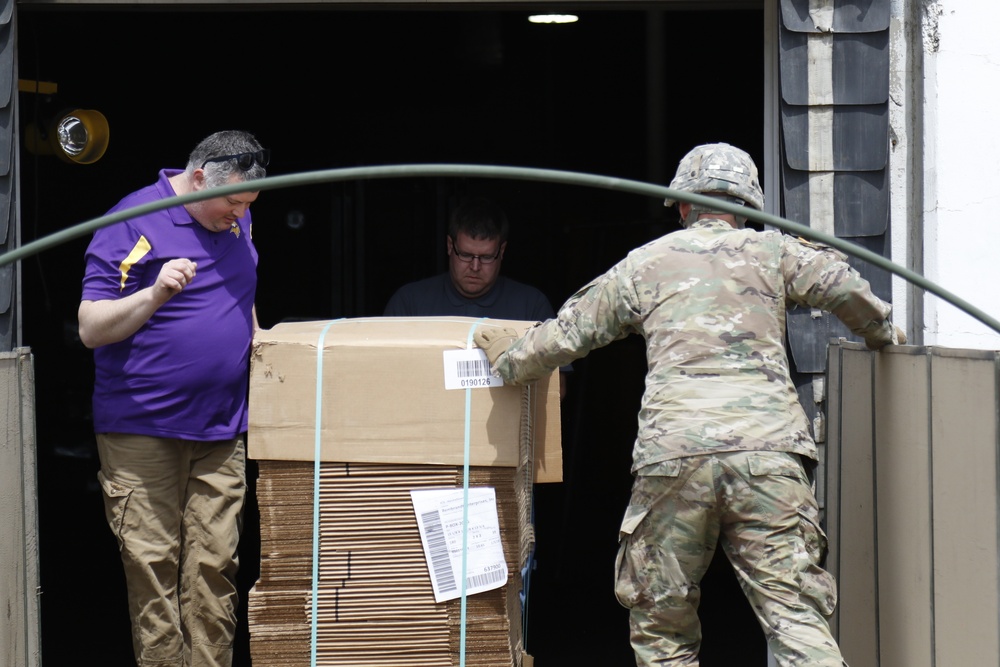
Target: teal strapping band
465, 501
317, 455
317, 458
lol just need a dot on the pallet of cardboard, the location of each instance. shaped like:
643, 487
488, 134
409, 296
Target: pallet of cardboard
368, 396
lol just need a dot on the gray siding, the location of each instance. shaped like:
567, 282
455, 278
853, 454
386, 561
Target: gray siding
834, 117
9, 273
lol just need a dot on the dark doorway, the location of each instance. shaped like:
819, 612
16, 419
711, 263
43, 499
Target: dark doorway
326, 89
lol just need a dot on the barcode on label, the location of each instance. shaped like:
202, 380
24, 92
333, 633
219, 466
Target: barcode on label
473, 368
485, 578
437, 545
468, 369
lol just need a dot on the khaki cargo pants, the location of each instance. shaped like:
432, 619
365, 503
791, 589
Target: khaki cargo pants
176, 507
760, 507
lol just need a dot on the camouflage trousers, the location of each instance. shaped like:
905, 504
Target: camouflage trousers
760, 507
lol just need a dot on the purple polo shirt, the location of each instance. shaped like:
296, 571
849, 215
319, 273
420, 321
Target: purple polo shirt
184, 374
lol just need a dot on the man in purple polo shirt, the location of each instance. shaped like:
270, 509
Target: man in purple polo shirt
167, 307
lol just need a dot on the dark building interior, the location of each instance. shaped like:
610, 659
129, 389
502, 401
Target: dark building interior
621, 93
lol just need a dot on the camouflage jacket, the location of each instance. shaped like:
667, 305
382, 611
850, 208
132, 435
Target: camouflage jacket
710, 301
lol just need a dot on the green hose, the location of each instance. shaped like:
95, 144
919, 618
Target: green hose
514, 173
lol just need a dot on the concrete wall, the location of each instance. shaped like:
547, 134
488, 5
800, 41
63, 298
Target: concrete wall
912, 487
960, 145
20, 641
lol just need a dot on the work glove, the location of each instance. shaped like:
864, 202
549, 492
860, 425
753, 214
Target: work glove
896, 336
494, 341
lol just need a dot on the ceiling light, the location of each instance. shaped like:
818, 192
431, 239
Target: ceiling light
553, 18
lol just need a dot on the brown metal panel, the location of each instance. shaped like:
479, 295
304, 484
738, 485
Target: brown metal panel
965, 521
828, 486
927, 420
903, 479
20, 636
856, 616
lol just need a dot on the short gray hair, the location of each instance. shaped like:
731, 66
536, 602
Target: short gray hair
226, 142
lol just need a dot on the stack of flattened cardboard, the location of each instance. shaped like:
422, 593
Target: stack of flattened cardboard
375, 604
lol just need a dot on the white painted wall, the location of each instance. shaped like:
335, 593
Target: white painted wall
961, 168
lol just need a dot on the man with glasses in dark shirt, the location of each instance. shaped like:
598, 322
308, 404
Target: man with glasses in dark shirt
473, 286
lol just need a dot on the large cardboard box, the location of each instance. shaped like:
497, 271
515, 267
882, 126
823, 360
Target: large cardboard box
376, 394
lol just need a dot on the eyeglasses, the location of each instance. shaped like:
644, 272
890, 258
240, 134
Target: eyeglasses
245, 161
468, 257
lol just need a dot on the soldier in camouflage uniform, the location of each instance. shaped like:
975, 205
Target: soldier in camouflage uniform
722, 437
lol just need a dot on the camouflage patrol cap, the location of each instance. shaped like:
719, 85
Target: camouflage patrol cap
718, 169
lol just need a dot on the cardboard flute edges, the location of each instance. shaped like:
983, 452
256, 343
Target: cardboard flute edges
383, 398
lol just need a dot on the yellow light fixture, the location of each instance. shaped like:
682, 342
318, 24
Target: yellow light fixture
79, 136
82, 136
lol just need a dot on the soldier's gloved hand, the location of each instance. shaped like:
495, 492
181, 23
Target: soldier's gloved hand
494, 340
893, 336
898, 336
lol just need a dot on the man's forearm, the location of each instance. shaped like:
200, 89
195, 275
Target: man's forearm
113, 320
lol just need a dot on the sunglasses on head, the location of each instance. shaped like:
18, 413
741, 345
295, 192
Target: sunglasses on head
245, 161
